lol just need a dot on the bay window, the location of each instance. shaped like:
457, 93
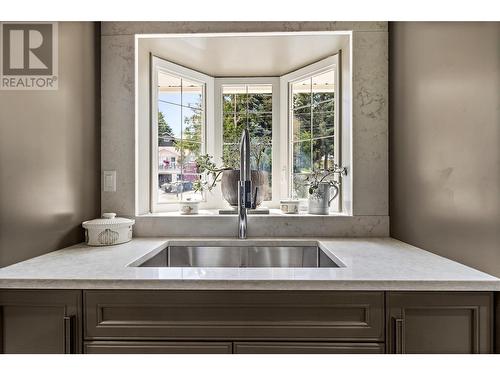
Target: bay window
293, 122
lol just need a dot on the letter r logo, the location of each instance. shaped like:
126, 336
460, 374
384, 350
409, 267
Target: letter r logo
27, 49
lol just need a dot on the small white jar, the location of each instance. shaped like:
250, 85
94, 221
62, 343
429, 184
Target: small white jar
188, 207
108, 230
289, 206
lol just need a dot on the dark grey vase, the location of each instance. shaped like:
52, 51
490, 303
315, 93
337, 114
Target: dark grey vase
230, 180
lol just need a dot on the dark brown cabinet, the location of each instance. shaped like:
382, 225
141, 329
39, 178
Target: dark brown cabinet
441, 323
40, 321
246, 322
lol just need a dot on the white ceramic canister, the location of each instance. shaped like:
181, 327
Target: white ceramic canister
188, 207
289, 206
108, 230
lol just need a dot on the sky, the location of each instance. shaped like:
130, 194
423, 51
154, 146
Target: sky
172, 112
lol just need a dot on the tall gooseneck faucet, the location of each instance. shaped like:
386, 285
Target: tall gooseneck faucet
245, 200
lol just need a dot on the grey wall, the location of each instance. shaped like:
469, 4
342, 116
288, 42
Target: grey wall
50, 153
445, 139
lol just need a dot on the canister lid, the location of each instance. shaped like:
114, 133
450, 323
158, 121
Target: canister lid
108, 219
189, 201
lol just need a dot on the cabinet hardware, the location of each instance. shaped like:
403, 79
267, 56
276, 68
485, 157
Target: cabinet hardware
1, 329
400, 336
68, 335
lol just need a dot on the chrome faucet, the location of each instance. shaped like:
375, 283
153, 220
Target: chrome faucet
245, 200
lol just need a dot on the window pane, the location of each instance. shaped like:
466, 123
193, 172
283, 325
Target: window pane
192, 94
323, 87
169, 121
302, 157
323, 124
192, 125
181, 122
260, 103
301, 126
260, 98
169, 158
248, 105
169, 172
231, 155
167, 193
323, 153
260, 152
312, 118
233, 126
187, 187
325, 106
260, 125
301, 93
169, 88
241, 102
190, 151
228, 103
300, 187
237, 96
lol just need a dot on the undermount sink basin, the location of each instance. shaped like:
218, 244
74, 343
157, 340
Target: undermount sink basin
239, 256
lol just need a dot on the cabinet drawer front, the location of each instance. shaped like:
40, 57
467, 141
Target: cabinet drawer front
220, 315
160, 347
307, 348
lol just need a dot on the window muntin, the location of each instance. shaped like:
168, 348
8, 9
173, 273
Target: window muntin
180, 128
312, 123
248, 105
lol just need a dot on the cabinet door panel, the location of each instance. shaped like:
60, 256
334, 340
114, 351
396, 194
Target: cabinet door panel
440, 323
138, 347
307, 348
234, 315
43, 321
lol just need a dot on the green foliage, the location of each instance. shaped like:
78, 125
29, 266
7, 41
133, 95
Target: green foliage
165, 132
206, 167
313, 126
255, 112
240, 110
191, 135
317, 177
313, 155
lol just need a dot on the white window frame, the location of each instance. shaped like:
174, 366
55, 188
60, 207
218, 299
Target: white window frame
275, 82
159, 64
282, 154
286, 152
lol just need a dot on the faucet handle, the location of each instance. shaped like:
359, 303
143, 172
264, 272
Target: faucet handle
254, 200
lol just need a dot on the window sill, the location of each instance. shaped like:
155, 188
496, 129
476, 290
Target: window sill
215, 213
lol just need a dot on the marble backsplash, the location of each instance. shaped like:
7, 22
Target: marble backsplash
261, 226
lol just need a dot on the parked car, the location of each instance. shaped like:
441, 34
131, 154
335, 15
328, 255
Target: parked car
177, 186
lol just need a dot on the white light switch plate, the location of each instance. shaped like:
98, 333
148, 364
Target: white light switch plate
109, 181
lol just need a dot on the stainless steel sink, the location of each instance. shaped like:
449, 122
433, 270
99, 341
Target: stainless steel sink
239, 256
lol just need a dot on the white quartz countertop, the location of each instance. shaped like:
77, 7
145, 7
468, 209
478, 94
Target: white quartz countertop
369, 264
